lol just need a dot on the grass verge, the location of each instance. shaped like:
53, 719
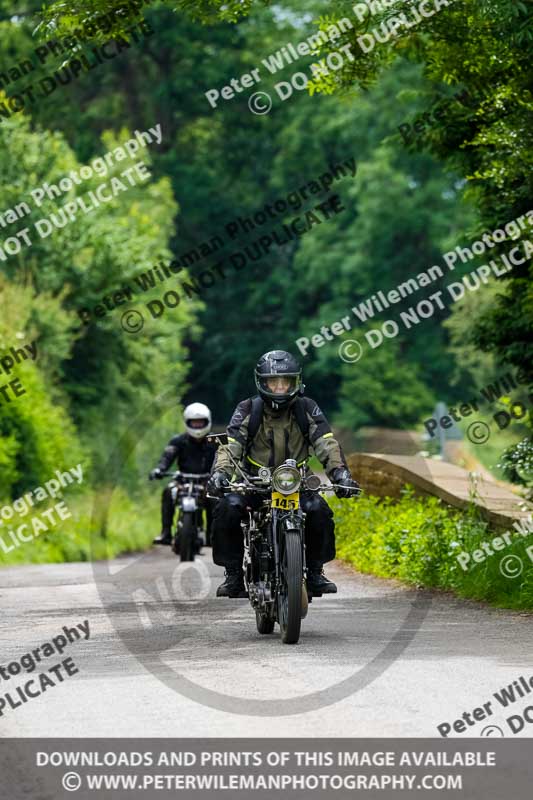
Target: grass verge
129, 526
417, 540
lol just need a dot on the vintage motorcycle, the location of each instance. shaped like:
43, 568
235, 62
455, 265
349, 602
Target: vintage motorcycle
274, 563
188, 494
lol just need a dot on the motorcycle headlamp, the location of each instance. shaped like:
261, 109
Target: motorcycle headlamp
286, 479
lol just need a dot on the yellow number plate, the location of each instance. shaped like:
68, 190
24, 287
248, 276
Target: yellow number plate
285, 501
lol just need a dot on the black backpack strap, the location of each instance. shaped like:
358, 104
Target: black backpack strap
256, 415
301, 417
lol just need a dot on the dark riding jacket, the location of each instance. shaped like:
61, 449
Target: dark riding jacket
278, 437
191, 455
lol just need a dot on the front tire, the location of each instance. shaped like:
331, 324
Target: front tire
290, 594
188, 535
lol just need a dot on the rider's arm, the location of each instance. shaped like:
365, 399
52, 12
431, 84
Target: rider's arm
169, 454
326, 447
211, 456
237, 431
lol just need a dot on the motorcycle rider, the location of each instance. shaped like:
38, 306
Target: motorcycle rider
264, 431
193, 453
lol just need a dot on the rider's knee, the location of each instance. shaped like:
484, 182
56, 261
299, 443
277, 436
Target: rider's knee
314, 504
234, 514
229, 508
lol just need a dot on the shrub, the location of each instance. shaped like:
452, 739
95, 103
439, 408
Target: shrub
130, 527
417, 541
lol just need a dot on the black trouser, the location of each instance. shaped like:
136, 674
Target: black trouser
228, 545
167, 511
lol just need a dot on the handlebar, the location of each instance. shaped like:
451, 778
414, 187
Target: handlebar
189, 475
246, 488
323, 487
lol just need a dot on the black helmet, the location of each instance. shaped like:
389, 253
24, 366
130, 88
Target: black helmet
278, 364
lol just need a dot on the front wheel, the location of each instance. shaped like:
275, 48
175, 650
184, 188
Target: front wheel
187, 537
290, 593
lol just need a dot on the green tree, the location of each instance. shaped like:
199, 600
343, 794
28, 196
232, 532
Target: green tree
402, 211
483, 48
106, 375
37, 435
385, 389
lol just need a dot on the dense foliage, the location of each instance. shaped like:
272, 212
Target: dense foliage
97, 392
130, 526
401, 210
418, 540
484, 50
95, 375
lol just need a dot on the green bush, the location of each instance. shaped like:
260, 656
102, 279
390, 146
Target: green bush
37, 435
417, 541
130, 526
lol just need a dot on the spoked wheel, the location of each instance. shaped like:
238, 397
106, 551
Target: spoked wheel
265, 623
187, 538
290, 594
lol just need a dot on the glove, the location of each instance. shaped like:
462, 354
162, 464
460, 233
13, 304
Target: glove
217, 482
155, 474
342, 476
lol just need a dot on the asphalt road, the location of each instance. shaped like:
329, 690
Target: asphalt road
166, 658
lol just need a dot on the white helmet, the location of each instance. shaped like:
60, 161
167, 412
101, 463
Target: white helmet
197, 420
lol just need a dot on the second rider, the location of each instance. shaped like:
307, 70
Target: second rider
193, 453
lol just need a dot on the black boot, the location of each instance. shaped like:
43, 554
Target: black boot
165, 537
233, 586
317, 583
